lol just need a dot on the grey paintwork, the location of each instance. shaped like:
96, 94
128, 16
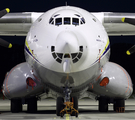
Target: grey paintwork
120, 84
15, 85
17, 23
16, 18
81, 79
114, 26
117, 87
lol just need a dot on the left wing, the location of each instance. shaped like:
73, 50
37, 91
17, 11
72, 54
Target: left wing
117, 24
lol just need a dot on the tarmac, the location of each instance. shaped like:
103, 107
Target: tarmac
88, 109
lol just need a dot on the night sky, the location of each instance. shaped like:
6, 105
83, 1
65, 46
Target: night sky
11, 57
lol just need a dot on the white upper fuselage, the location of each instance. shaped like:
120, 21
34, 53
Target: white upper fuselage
67, 40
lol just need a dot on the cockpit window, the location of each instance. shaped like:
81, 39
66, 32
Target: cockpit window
75, 21
56, 15
58, 21
82, 20
67, 21
51, 21
77, 15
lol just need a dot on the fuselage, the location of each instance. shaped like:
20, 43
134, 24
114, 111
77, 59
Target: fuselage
67, 42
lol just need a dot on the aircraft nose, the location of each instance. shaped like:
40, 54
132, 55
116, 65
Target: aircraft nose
67, 46
67, 42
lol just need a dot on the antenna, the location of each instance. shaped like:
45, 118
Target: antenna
66, 3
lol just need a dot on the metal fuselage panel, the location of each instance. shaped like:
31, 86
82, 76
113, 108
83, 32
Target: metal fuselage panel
55, 80
46, 41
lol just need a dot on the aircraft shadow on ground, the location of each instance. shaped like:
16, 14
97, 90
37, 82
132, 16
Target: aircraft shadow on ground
80, 112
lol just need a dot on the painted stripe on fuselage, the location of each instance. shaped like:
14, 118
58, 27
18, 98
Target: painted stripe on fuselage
107, 46
105, 50
31, 54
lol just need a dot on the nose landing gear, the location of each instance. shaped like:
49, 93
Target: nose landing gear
69, 109
70, 106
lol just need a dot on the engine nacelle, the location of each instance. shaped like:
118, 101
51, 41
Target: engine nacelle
114, 82
21, 82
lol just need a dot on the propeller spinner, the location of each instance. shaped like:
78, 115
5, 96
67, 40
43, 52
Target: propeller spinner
131, 50
128, 20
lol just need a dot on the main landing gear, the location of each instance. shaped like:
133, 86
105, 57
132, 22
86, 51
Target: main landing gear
16, 105
70, 106
118, 105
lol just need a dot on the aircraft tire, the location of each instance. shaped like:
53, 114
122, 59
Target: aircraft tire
120, 103
103, 104
16, 105
59, 105
32, 105
75, 101
114, 106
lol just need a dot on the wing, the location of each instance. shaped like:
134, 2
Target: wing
117, 24
17, 23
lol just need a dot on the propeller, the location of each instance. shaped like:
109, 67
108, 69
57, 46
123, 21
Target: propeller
4, 12
3, 42
131, 50
128, 20
132, 22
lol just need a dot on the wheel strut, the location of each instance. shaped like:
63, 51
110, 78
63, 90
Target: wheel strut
69, 106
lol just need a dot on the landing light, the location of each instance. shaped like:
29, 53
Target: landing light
30, 82
104, 82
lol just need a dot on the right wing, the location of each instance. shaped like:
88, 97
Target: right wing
17, 24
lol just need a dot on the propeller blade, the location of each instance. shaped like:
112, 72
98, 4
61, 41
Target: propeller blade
4, 12
128, 20
131, 50
5, 43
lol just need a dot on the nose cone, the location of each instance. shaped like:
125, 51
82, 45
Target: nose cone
67, 42
67, 66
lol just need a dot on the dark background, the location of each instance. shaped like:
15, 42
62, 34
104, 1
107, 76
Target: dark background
11, 57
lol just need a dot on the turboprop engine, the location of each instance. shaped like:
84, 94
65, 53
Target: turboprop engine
21, 81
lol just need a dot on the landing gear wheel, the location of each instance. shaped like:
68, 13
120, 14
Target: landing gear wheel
114, 106
16, 105
32, 105
120, 105
75, 105
76, 114
103, 104
59, 105
61, 114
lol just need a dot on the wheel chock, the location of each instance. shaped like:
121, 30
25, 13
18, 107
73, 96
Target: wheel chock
69, 109
120, 109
